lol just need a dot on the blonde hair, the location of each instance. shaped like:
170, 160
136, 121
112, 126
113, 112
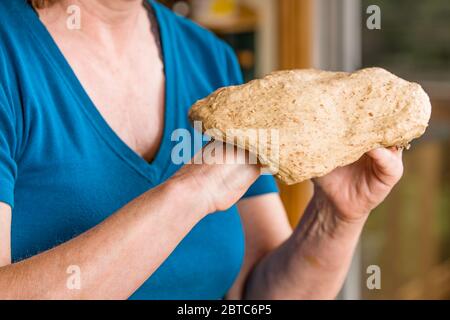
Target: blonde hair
39, 4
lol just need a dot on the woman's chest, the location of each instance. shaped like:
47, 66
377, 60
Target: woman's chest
122, 75
129, 94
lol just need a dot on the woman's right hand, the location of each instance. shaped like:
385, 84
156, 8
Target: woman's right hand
223, 183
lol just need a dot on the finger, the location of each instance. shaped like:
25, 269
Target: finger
387, 161
380, 154
385, 153
397, 151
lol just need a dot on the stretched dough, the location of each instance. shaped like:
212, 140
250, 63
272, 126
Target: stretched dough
323, 119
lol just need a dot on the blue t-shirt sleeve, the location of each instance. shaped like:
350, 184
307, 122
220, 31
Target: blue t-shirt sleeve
8, 167
265, 183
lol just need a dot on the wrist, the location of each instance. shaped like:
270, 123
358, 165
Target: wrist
332, 220
185, 189
344, 214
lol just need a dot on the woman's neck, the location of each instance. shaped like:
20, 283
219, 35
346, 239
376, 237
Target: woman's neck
112, 13
110, 23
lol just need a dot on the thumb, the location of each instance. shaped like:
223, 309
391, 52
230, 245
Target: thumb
387, 164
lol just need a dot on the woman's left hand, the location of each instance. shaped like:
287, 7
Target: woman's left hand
356, 189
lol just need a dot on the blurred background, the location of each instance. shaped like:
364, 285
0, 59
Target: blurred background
408, 236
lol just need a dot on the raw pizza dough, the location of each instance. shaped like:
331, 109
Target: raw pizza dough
323, 119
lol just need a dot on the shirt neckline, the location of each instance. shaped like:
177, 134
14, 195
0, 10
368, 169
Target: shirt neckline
153, 171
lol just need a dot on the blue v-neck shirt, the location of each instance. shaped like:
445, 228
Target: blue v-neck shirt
63, 169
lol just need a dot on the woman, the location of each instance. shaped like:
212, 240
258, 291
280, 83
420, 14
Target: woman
88, 188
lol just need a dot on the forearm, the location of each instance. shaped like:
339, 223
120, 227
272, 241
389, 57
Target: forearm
115, 257
313, 262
